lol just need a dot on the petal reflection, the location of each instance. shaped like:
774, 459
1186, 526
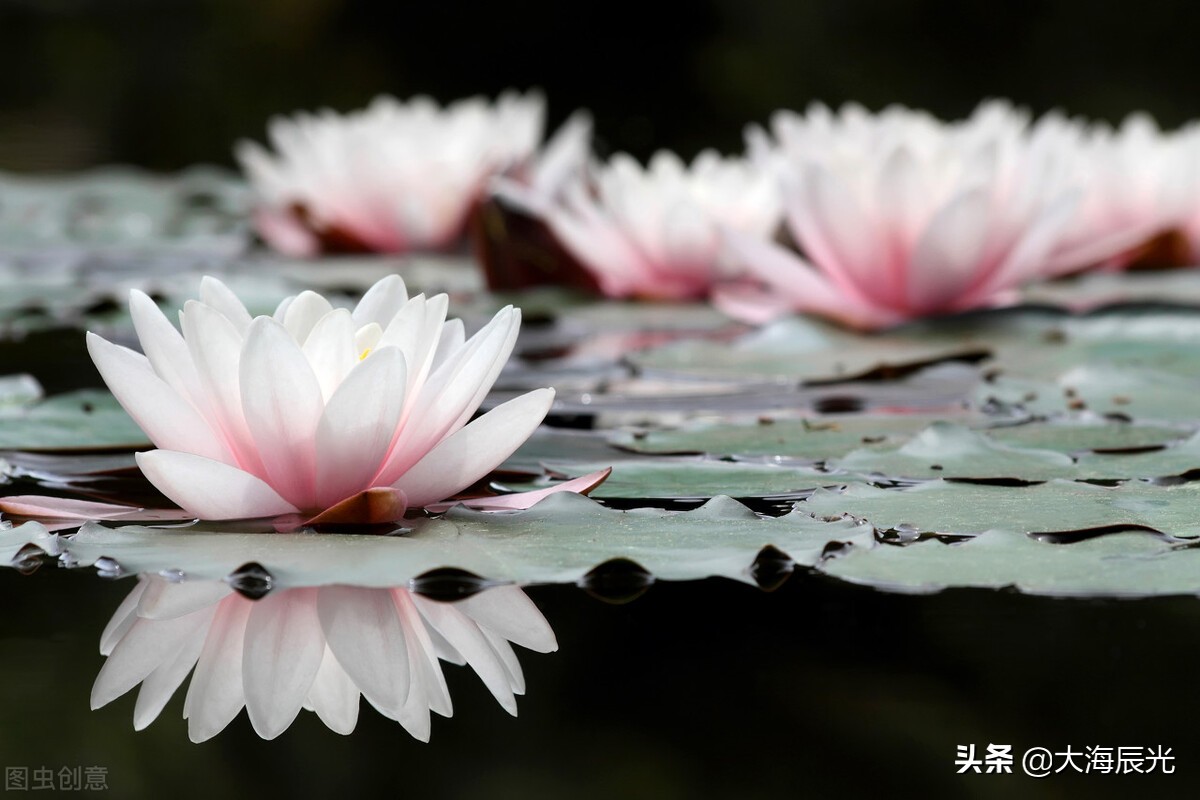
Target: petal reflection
318, 649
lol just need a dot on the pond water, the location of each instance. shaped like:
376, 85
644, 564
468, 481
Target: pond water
822, 563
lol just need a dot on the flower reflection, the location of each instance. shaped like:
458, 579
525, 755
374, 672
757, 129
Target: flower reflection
396, 176
654, 232
316, 648
899, 215
316, 408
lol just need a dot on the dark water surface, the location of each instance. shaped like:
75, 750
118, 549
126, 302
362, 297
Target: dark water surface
702, 689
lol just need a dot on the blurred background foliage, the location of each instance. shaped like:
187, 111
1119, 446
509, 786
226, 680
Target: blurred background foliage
167, 84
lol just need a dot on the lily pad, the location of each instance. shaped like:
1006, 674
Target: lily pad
557, 541
1142, 394
84, 420
1075, 434
812, 439
1056, 506
673, 479
945, 450
1133, 564
803, 350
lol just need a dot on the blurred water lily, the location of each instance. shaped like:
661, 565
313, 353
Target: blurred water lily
899, 215
1138, 187
313, 648
654, 232
357, 414
396, 176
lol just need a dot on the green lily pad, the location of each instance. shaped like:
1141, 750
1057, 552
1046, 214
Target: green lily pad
946, 450
1143, 394
1056, 506
802, 350
665, 479
85, 420
1133, 564
812, 439
557, 541
1073, 434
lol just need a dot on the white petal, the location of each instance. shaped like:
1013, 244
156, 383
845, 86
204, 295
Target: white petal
948, 255
358, 425
282, 402
474, 451
218, 296
166, 350
161, 684
381, 302
334, 696
467, 639
364, 632
303, 314
163, 599
330, 350
122, 619
167, 419
215, 695
148, 645
209, 489
508, 612
282, 653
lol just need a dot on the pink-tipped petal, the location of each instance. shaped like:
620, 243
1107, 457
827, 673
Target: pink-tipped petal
475, 450
215, 694
523, 500
283, 649
167, 419
364, 632
355, 431
282, 403
211, 490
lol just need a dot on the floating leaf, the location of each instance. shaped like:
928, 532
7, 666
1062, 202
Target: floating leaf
84, 420
946, 450
1131, 564
1056, 506
812, 439
803, 350
557, 541
670, 479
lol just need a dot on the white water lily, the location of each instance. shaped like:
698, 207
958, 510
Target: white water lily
899, 215
654, 232
396, 176
1137, 182
316, 648
316, 407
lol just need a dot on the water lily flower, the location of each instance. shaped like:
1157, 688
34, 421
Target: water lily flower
1138, 185
356, 413
653, 232
899, 215
316, 648
396, 176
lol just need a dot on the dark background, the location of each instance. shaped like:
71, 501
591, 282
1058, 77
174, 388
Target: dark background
704, 689
167, 83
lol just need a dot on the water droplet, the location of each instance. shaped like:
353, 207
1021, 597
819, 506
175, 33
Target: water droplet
449, 584
172, 575
27, 560
771, 568
251, 580
109, 568
617, 581
838, 404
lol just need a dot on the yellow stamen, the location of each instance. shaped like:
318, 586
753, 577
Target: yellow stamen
364, 354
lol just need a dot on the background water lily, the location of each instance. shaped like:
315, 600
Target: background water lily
396, 176
314, 406
314, 648
899, 215
654, 232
